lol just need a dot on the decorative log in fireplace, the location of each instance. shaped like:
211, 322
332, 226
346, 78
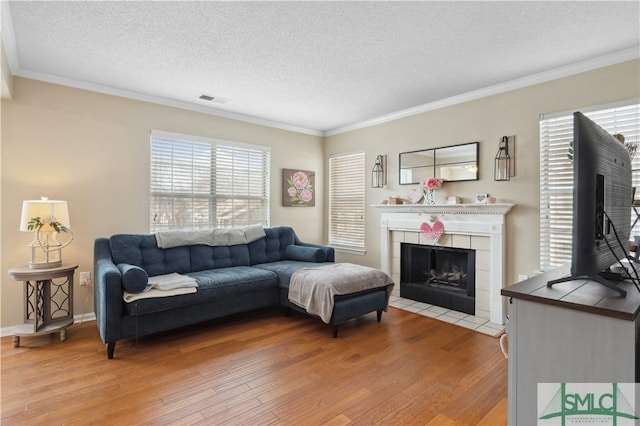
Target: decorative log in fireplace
441, 276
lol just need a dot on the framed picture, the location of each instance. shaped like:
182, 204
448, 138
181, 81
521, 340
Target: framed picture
298, 188
481, 199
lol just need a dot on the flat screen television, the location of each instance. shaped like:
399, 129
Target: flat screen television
601, 204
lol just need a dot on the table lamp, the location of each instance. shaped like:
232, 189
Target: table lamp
46, 218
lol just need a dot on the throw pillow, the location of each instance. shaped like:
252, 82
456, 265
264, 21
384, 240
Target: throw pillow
134, 278
305, 254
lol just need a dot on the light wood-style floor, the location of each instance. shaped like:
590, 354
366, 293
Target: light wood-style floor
261, 368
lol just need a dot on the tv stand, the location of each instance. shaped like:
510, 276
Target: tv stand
597, 278
579, 332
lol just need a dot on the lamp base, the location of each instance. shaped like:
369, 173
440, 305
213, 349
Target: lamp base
45, 265
46, 251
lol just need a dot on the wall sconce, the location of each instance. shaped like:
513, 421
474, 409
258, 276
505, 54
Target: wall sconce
45, 218
503, 164
379, 172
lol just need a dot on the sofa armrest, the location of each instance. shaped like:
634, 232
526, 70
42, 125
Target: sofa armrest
107, 292
305, 253
329, 251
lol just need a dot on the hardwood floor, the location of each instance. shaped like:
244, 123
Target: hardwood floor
261, 368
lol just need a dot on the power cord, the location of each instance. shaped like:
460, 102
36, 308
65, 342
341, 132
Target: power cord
627, 255
86, 305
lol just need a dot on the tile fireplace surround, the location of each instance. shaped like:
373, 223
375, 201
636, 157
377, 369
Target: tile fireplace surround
472, 226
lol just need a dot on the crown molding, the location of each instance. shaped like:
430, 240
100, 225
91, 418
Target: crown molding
533, 79
8, 40
8, 37
48, 78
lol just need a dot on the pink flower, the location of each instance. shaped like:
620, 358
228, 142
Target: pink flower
306, 195
431, 183
300, 180
292, 191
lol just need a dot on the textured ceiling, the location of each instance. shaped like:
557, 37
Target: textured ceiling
313, 65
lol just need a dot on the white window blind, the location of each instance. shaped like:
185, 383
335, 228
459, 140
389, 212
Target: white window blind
556, 174
200, 183
346, 201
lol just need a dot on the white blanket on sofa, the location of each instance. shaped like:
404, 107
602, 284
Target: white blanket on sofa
210, 237
164, 286
314, 288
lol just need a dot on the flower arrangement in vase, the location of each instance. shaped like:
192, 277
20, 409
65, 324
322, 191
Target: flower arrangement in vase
429, 186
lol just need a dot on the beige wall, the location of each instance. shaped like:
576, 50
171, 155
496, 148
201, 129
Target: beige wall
6, 77
92, 150
486, 120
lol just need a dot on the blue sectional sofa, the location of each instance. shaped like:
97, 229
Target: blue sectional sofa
231, 279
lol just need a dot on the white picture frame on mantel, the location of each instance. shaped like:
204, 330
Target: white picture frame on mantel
481, 199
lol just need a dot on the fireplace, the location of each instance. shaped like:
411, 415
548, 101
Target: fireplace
441, 276
480, 227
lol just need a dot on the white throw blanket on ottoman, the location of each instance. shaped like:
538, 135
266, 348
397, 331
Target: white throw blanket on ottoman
314, 288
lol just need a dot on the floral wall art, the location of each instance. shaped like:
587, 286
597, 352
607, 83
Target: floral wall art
298, 188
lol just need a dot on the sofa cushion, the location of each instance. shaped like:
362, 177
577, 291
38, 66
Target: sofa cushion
305, 254
234, 282
213, 285
134, 278
272, 247
285, 268
206, 257
142, 250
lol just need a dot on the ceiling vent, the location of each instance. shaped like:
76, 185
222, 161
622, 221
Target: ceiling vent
216, 99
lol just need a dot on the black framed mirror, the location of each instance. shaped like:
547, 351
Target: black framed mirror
451, 163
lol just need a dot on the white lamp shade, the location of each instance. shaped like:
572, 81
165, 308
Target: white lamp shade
44, 208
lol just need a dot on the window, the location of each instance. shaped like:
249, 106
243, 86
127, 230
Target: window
346, 202
556, 174
206, 183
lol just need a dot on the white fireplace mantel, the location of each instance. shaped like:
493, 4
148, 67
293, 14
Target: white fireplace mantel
481, 209
486, 220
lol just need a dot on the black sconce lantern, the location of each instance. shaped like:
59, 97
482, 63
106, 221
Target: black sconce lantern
378, 174
502, 164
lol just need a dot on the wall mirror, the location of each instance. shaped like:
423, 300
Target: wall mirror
450, 163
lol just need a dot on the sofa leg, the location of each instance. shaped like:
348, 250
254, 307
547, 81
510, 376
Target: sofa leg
110, 348
287, 311
379, 315
335, 331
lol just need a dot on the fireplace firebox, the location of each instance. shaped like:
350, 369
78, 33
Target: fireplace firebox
441, 276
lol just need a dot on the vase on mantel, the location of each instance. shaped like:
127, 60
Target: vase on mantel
429, 197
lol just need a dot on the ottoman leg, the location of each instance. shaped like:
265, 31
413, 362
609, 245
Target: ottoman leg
335, 331
379, 315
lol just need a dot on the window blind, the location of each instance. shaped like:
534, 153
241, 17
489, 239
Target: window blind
200, 183
347, 202
556, 174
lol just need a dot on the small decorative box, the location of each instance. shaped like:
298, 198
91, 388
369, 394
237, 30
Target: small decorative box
453, 200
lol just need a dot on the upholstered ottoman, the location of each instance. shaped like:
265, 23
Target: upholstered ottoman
338, 292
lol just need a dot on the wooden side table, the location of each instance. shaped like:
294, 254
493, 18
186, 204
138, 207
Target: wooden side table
48, 297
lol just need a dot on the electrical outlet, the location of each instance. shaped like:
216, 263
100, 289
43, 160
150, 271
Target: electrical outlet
522, 277
85, 279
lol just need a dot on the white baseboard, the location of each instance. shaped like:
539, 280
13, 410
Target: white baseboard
77, 319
